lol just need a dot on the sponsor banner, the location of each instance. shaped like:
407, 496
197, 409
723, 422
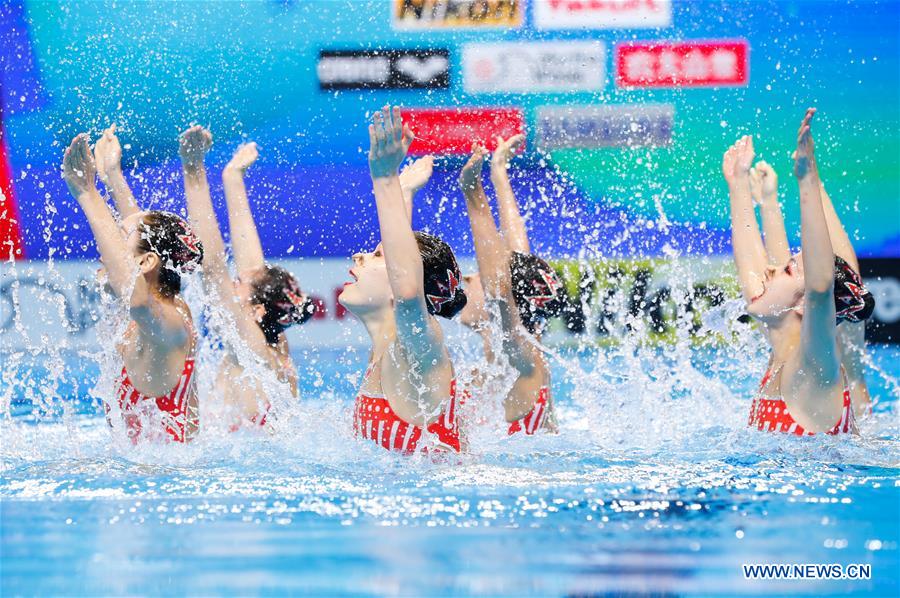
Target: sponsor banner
534, 67
457, 14
635, 125
452, 130
683, 64
882, 277
384, 69
602, 14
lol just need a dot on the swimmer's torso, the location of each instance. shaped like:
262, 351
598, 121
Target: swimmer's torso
773, 411
244, 395
375, 418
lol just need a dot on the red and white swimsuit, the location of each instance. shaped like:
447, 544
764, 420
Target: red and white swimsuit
374, 419
772, 414
172, 414
535, 418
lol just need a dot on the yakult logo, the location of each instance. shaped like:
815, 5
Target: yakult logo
602, 14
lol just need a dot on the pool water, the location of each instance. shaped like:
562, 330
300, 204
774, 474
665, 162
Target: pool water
644, 491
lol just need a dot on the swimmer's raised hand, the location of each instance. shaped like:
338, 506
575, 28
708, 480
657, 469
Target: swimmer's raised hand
78, 166
804, 157
108, 154
470, 175
243, 157
763, 183
414, 176
505, 150
193, 145
389, 140
738, 159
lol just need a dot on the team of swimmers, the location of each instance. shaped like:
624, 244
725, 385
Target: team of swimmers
409, 399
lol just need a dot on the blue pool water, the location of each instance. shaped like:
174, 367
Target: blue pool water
645, 491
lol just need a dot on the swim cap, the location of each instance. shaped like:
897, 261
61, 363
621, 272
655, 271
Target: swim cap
537, 290
284, 302
443, 295
172, 239
852, 300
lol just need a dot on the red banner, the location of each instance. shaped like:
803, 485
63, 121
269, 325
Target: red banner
452, 130
10, 233
683, 64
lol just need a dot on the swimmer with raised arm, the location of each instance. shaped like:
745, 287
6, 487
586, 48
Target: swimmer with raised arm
407, 401
525, 289
800, 303
144, 256
851, 335
263, 302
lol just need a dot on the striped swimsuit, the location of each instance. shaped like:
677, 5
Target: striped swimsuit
171, 415
535, 418
374, 419
772, 415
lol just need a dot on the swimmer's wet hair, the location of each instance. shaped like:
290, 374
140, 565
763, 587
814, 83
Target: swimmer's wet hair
852, 300
537, 290
443, 294
284, 303
171, 238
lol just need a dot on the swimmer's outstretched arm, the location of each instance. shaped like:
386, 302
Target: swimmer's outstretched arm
248, 253
851, 336
818, 347
747, 246
164, 326
79, 171
108, 157
193, 145
840, 240
764, 189
413, 177
511, 222
420, 346
493, 257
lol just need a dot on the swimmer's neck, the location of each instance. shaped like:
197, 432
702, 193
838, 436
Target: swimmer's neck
382, 328
784, 339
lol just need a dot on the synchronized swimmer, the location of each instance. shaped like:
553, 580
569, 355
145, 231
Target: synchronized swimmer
409, 399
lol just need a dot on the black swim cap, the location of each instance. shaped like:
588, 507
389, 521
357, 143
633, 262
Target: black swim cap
443, 295
285, 304
852, 300
536, 288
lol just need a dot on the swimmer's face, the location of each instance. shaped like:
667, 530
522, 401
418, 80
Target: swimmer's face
130, 228
244, 289
369, 289
473, 314
782, 291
